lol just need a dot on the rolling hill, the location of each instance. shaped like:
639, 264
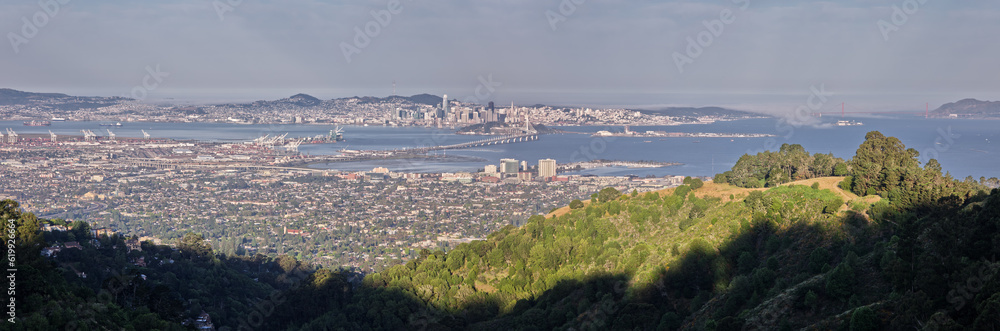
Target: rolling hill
57, 101
969, 108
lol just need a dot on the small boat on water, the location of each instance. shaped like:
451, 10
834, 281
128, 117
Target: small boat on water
112, 124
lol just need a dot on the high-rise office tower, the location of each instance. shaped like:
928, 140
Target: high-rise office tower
445, 106
509, 166
546, 168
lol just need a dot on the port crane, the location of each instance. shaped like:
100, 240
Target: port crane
279, 140
111, 135
293, 145
88, 135
337, 134
52, 135
260, 141
11, 136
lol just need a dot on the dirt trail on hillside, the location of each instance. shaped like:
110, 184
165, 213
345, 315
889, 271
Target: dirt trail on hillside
723, 191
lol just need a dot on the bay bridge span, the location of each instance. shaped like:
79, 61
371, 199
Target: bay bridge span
506, 139
300, 163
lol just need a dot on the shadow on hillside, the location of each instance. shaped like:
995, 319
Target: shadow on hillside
775, 275
765, 259
764, 277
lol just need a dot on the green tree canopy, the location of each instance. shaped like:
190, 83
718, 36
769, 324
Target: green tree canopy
194, 244
608, 194
789, 163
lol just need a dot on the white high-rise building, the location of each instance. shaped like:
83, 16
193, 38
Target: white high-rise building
546, 168
445, 105
490, 169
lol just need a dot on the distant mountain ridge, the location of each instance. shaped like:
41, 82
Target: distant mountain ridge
700, 112
13, 97
969, 108
9, 96
68, 102
302, 99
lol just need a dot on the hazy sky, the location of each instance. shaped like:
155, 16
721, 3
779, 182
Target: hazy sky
601, 51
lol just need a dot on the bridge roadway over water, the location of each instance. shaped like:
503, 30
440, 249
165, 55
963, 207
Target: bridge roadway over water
354, 156
478, 143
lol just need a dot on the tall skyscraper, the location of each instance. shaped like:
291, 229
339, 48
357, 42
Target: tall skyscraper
546, 168
491, 112
445, 106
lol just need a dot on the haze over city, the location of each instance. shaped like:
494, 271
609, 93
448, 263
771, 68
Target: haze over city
766, 56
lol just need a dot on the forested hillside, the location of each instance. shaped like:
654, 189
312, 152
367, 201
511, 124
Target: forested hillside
890, 244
